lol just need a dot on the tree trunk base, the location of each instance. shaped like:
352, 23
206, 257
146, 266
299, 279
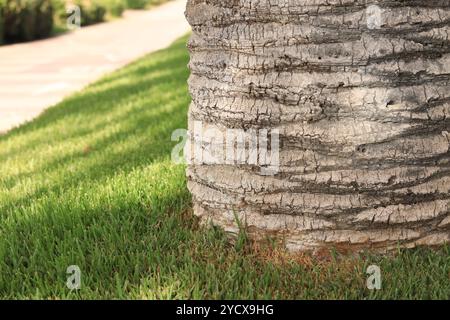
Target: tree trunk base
359, 95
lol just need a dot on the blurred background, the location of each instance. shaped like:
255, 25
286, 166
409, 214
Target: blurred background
26, 20
50, 49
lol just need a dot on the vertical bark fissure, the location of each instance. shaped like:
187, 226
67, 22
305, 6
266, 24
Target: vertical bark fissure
363, 113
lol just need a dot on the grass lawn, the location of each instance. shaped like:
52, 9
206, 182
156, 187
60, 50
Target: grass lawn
90, 183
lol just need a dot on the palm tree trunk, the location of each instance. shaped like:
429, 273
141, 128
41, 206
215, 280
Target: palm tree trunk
360, 94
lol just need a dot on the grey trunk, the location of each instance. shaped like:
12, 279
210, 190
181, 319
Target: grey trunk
360, 94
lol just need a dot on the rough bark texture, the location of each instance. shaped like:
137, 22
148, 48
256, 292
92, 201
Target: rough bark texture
363, 114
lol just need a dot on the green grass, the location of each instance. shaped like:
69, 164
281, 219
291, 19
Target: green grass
90, 183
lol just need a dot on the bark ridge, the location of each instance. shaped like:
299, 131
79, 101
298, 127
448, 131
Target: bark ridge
360, 93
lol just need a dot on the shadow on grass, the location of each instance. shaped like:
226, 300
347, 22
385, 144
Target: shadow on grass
90, 183
139, 111
85, 149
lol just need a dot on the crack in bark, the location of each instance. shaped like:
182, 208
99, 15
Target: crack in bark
363, 116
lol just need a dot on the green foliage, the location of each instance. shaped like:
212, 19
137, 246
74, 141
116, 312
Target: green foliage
60, 14
137, 4
113, 7
25, 20
142, 4
92, 11
90, 183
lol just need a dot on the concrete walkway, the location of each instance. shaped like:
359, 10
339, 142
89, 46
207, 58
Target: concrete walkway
36, 75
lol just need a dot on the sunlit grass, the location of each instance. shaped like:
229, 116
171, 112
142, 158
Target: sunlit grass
90, 183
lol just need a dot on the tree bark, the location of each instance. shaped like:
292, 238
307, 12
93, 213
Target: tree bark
360, 93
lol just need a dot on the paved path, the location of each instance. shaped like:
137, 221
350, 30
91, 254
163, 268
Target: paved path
36, 75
